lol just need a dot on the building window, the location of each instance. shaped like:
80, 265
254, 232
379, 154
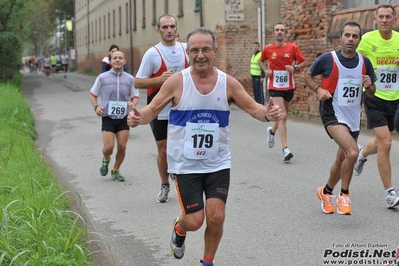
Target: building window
120, 20
154, 13
92, 32
99, 29
134, 15
127, 18
113, 23
95, 32
166, 10
180, 12
197, 6
105, 28
143, 12
109, 25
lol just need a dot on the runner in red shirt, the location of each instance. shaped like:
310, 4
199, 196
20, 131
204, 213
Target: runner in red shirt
283, 59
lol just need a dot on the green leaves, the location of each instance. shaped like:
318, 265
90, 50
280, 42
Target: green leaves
36, 226
26, 25
12, 34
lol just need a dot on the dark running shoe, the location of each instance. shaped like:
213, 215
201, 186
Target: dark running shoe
117, 176
104, 167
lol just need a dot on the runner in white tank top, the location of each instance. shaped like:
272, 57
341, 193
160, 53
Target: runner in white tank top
198, 139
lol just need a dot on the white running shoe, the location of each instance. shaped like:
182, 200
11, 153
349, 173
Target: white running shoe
163, 194
392, 200
177, 245
270, 137
287, 155
358, 168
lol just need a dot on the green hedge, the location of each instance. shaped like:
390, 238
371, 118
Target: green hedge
10, 59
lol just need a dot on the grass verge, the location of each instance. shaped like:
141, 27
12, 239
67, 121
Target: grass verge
36, 226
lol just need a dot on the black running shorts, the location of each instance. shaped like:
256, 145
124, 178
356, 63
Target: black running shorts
287, 95
191, 188
159, 129
114, 125
380, 112
397, 120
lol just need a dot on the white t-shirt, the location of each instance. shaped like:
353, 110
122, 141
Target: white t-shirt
172, 55
64, 59
174, 58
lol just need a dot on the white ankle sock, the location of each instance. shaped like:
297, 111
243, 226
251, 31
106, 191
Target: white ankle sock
361, 157
388, 190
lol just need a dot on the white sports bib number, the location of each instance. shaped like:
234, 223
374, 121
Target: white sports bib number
387, 78
117, 108
281, 79
349, 92
201, 141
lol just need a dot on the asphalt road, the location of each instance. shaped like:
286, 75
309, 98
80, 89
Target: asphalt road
273, 214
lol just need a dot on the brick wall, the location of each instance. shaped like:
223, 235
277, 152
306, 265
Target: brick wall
307, 22
235, 51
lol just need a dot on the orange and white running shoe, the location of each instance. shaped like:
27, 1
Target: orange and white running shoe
326, 201
344, 204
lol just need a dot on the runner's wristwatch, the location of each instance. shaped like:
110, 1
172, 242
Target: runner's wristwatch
95, 107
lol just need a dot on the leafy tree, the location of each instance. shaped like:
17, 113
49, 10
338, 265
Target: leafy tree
28, 25
41, 28
68, 7
13, 31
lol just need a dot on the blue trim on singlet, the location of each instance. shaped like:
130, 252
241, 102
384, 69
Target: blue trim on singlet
180, 117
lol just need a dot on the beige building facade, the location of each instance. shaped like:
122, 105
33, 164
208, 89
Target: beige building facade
131, 25
312, 24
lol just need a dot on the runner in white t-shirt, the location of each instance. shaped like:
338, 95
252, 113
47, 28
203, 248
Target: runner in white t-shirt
157, 65
64, 62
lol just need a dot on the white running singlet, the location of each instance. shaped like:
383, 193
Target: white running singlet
198, 132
